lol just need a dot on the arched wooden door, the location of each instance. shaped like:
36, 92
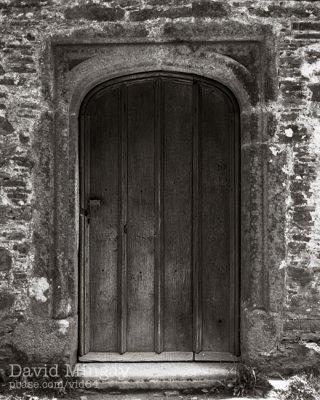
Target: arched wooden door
159, 206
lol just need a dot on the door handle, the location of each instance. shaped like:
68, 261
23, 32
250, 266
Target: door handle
94, 205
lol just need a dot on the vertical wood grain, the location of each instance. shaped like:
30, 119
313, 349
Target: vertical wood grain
232, 233
235, 283
177, 215
123, 220
141, 216
84, 228
159, 267
196, 236
103, 175
216, 225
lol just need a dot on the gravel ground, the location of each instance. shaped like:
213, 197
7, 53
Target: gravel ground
170, 394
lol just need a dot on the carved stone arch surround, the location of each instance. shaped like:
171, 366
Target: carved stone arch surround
80, 67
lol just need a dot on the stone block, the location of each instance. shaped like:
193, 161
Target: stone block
6, 300
315, 89
5, 260
210, 9
94, 12
5, 126
150, 13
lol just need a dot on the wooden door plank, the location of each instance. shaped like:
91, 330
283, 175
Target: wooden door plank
159, 268
177, 215
141, 215
137, 356
84, 229
233, 245
103, 221
196, 237
235, 282
123, 221
216, 226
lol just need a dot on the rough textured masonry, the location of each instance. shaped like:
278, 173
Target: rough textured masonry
271, 47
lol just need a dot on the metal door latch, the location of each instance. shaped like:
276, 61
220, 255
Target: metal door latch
94, 205
83, 212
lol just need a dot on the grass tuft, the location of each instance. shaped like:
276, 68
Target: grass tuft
248, 381
304, 386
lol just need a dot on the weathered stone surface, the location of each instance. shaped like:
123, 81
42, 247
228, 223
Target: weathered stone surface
5, 260
27, 4
150, 13
6, 300
9, 354
315, 89
7, 81
5, 126
94, 12
210, 9
42, 339
30, 36
306, 26
263, 332
283, 10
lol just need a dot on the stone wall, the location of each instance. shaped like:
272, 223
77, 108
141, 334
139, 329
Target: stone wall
38, 320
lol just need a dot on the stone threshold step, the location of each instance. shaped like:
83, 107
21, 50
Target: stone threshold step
151, 375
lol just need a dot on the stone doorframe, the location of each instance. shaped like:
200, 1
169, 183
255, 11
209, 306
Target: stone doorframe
244, 65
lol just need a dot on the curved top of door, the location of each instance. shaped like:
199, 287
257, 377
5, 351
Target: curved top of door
144, 76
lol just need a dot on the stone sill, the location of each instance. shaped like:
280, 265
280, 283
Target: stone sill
150, 376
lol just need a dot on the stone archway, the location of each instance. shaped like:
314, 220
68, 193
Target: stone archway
79, 68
